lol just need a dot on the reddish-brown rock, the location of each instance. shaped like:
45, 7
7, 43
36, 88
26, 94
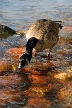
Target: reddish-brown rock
39, 103
61, 76
9, 95
5, 65
16, 52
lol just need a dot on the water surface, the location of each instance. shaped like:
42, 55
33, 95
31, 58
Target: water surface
19, 14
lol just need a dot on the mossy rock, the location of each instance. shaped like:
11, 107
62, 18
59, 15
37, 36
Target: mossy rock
6, 31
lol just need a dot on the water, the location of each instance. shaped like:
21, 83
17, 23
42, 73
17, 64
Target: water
20, 14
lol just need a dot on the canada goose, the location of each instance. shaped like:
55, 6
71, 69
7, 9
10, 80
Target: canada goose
43, 34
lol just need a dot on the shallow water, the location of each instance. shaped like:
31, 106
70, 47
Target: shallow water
40, 84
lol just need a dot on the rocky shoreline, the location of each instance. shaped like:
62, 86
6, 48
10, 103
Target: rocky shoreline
40, 84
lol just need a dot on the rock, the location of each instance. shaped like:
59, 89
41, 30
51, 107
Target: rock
6, 31
13, 88
14, 81
16, 52
65, 94
9, 96
5, 66
39, 103
61, 76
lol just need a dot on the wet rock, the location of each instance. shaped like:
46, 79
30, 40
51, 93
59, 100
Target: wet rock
14, 81
64, 75
40, 79
43, 68
61, 76
13, 89
29, 71
39, 103
4, 66
9, 97
65, 94
6, 31
40, 89
16, 52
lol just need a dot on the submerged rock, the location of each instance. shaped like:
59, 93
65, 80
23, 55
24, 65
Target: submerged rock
4, 66
39, 103
13, 87
10, 97
16, 52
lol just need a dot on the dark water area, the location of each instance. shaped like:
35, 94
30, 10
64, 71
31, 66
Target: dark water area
40, 84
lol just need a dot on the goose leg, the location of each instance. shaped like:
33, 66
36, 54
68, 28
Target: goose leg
49, 56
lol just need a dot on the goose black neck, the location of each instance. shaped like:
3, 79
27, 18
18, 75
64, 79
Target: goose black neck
30, 45
28, 55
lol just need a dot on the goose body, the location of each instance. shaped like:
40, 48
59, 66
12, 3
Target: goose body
47, 33
43, 34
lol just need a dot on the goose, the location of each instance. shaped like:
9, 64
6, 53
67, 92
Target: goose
42, 34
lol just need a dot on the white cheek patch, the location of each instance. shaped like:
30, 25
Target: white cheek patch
19, 65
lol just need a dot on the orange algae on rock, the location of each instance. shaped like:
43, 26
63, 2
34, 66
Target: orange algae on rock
29, 70
38, 68
2, 102
40, 79
65, 94
43, 68
43, 89
39, 89
39, 103
16, 52
13, 88
5, 66
61, 76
